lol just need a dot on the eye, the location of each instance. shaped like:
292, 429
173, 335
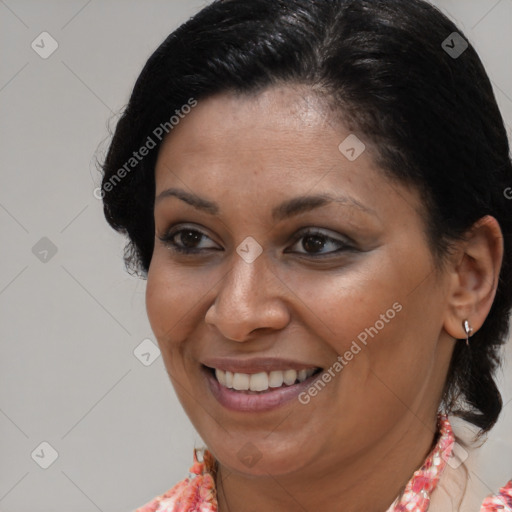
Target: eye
185, 240
313, 241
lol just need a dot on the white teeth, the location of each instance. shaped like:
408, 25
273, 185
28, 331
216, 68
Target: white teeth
275, 379
302, 375
258, 382
241, 381
289, 377
221, 377
261, 381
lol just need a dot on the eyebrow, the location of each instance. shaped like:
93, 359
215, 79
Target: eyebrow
287, 209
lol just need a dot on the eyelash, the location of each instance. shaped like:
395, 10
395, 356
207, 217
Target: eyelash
168, 238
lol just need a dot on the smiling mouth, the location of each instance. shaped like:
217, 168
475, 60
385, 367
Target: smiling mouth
261, 382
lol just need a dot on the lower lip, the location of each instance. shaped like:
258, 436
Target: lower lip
272, 399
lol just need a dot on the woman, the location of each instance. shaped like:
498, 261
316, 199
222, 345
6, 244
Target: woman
314, 191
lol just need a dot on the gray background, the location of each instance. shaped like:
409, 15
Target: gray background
71, 321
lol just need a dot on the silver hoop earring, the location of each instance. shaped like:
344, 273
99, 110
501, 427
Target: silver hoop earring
468, 330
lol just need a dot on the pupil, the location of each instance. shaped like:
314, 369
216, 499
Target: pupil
317, 244
189, 238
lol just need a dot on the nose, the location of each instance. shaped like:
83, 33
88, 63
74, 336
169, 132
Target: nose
250, 298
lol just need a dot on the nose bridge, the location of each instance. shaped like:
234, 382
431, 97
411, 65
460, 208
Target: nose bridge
242, 288
247, 298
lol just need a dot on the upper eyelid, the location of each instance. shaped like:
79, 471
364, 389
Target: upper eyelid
172, 232
318, 231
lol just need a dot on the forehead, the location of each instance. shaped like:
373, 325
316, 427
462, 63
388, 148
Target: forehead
282, 141
280, 129
271, 117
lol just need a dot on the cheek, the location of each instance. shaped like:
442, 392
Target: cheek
374, 315
172, 298
389, 350
358, 302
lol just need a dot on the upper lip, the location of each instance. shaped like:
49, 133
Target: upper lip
255, 364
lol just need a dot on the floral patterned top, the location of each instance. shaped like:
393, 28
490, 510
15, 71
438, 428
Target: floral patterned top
197, 492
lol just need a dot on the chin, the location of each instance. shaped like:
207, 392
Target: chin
255, 459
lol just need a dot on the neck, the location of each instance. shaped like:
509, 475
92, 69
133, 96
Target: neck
371, 481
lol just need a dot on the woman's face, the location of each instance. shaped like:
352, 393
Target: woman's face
303, 256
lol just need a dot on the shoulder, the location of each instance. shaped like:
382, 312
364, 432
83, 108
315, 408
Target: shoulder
501, 502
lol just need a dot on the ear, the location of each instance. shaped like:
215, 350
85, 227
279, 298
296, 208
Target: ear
474, 273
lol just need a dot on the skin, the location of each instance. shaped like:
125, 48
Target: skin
249, 154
